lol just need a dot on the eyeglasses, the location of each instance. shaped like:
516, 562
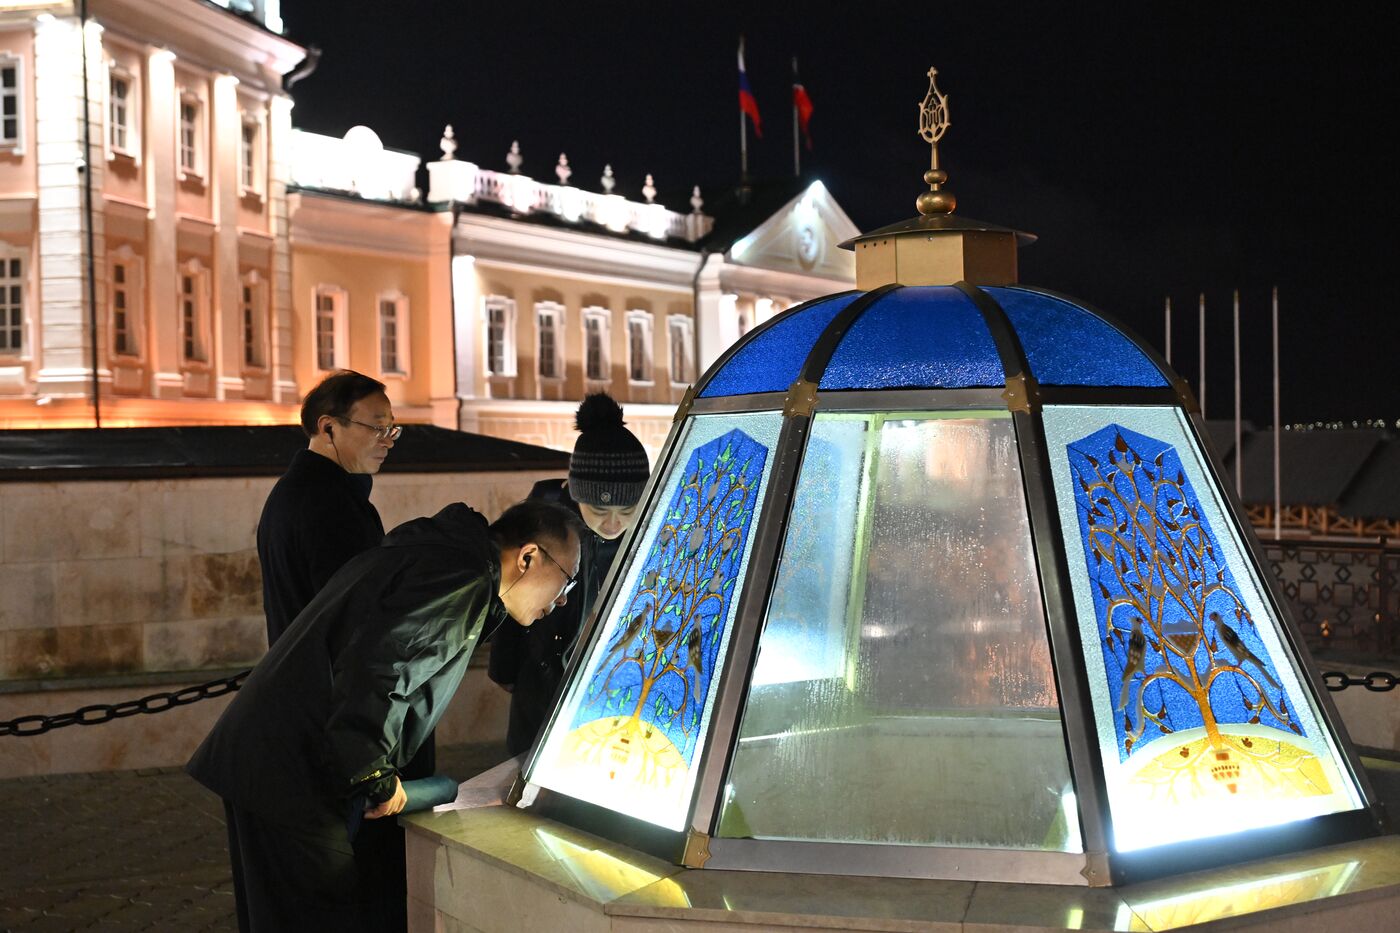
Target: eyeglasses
386, 433
570, 580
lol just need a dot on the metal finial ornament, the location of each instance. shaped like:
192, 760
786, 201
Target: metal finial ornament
933, 123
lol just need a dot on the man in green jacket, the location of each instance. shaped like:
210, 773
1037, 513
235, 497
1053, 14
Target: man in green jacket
343, 700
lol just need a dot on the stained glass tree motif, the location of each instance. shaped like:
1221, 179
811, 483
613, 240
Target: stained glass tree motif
1181, 649
655, 674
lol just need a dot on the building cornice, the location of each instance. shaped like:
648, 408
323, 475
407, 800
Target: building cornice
338, 223
565, 252
203, 34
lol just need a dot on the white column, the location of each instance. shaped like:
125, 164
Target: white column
467, 327
65, 342
709, 329
227, 129
279, 142
163, 318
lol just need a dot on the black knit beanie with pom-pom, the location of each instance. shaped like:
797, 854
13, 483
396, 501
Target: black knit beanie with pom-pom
609, 465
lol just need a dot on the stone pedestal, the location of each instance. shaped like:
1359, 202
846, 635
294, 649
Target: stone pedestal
479, 866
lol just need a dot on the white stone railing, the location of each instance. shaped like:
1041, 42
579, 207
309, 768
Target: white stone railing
468, 183
357, 163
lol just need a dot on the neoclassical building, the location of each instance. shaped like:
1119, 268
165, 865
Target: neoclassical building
174, 252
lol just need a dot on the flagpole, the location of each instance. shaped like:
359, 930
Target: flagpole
1278, 494
1239, 450
1168, 329
796, 152
743, 127
1202, 380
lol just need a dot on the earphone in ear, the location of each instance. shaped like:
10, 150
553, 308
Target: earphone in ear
330, 431
527, 560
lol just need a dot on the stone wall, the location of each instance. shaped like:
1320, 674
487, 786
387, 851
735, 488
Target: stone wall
117, 577
111, 586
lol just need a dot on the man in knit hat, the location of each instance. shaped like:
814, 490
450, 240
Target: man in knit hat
607, 471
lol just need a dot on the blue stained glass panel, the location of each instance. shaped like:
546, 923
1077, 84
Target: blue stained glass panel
922, 337
772, 360
1180, 645
659, 664
1069, 345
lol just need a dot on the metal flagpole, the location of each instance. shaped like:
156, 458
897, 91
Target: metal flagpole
1239, 448
1278, 492
796, 150
1202, 380
743, 128
1168, 329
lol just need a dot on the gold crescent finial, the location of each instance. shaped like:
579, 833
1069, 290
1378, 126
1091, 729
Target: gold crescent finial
933, 123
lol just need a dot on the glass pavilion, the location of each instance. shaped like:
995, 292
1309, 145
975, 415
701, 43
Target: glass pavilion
939, 578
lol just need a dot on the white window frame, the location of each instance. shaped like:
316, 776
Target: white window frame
253, 314
11, 254
13, 143
644, 375
193, 319
492, 304
554, 312
399, 302
131, 126
603, 318
339, 301
194, 170
133, 291
680, 329
250, 170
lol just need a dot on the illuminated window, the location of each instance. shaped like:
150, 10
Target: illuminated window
11, 305
10, 95
194, 312
639, 346
253, 311
550, 318
595, 344
681, 331
393, 334
118, 111
248, 159
191, 129
500, 335
125, 298
330, 324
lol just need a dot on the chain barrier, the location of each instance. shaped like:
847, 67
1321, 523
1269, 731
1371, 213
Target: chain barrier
1376, 681
105, 712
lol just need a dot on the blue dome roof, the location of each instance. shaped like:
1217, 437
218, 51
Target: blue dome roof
935, 337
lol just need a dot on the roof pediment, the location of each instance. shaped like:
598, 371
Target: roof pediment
802, 237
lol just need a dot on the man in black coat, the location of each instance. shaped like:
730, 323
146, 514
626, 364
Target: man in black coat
606, 474
318, 516
328, 719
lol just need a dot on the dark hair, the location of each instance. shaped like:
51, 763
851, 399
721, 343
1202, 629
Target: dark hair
533, 520
335, 395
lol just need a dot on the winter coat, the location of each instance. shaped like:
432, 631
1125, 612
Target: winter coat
346, 696
531, 659
315, 519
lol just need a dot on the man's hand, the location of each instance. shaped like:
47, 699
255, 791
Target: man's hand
391, 806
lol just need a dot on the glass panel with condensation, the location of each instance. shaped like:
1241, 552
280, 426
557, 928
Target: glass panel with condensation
903, 692
629, 733
1205, 724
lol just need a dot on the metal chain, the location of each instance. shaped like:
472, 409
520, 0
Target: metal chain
1376, 681
106, 712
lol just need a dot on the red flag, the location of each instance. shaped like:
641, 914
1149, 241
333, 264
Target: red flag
747, 103
802, 104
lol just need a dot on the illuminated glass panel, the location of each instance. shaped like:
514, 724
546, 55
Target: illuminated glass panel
1204, 723
1069, 345
628, 733
903, 691
773, 359
916, 337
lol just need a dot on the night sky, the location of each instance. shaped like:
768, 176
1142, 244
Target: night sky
1184, 148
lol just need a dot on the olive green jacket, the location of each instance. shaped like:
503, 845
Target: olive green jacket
346, 696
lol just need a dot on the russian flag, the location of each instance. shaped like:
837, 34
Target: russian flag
747, 103
802, 104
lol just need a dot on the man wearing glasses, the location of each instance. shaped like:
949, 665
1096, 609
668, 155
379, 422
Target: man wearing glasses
318, 516
309, 753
